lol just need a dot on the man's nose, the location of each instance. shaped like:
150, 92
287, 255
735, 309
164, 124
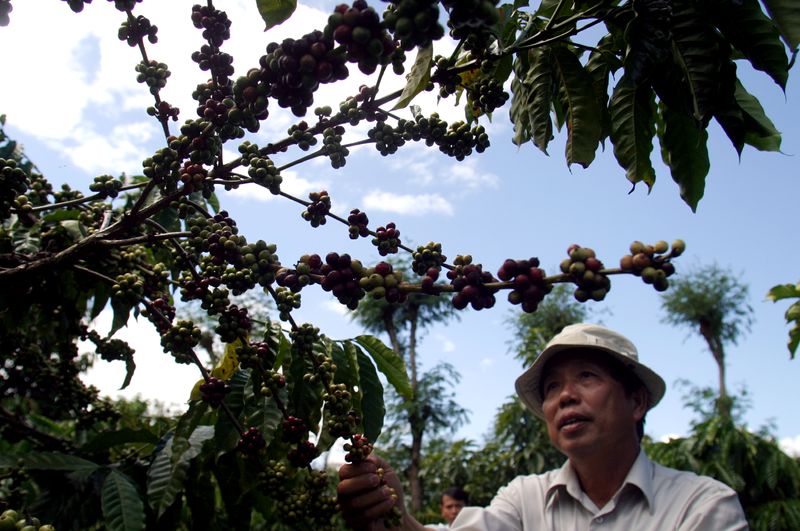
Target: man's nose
567, 395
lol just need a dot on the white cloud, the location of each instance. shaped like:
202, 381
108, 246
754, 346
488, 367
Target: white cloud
447, 345
486, 362
336, 307
292, 184
417, 205
790, 445
97, 153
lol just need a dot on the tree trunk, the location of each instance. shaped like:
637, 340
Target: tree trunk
416, 420
715, 345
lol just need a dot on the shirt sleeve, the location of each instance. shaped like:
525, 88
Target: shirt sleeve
501, 515
719, 510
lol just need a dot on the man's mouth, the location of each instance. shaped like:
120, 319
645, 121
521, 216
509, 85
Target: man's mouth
571, 420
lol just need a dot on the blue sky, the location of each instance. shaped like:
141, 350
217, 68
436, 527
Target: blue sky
75, 106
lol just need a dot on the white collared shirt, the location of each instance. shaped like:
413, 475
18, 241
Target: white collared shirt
652, 498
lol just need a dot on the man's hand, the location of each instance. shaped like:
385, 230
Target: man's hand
367, 492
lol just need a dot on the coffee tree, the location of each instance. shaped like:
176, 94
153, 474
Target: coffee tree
240, 456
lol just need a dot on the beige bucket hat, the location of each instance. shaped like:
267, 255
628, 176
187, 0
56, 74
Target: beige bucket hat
587, 336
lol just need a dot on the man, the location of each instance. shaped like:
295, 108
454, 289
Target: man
453, 500
593, 393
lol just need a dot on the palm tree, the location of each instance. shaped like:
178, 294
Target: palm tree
711, 302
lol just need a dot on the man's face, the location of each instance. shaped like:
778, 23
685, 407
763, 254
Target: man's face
450, 508
587, 411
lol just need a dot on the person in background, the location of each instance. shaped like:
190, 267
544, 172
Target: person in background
453, 500
593, 393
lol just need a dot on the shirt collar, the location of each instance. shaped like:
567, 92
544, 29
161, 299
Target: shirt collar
640, 475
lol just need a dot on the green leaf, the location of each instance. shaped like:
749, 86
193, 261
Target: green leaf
130, 368
388, 362
48, 461
123, 509
275, 12
62, 215
101, 295
418, 77
122, 312
760, 132
74, 228
165, 478
305, 398
226, 434
373, 409
540, 81
632, 130
697, 51
583, 119
186, 425
750, 31
109, 439
684, 150
784, 291
786, 15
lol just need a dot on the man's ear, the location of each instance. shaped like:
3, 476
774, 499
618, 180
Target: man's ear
640, 398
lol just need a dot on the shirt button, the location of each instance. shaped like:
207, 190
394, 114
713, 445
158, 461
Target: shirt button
599, 519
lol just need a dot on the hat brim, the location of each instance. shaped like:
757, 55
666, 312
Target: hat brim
527, 385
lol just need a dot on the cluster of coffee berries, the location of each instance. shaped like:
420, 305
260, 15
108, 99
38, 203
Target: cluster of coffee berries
109, 349
251, 94
387, 239
106, 186
214, 391
214, 23
210, 58
275, 476
584, 270
309, 505
203, 147
415, 23
294, 69
180, 339
251, 442
332, 146
263, 172
443, 76
469, 282
301, 136
153, 74
128, 288
163, 167
261, 258
294, 429
255, 355
358, 449
164, 111
122, 5
359, 29
358, 222
341, 276
303, 338
426, 257
301, 276
386, 138
134, 30
382, 281
460, 140
301, 455
272, 384
286, 301
652, 262
12, 519
430, 129
234, 323
486, 96
13, 182
6, 8
160, 312
317, 211
472, 22
340, 419
529, 286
